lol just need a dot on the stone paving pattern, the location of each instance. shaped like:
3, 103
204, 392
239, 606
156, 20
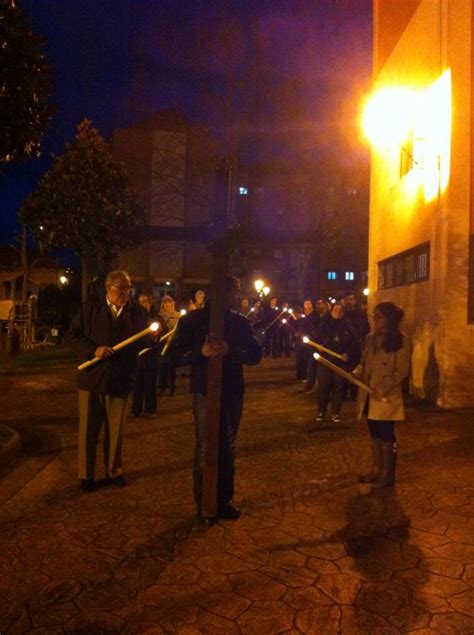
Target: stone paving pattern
314, 551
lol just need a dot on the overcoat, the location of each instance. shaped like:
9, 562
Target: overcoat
385, 373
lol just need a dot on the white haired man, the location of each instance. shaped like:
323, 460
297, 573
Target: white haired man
102, 322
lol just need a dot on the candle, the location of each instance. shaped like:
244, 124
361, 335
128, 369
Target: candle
322, 348
153, 328
345, 374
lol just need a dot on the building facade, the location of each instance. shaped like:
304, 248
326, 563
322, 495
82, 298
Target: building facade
421, 201
172, 169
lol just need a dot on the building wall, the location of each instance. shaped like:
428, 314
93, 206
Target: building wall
437, 38
171, 168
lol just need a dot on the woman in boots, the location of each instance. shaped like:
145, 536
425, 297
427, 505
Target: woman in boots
384, 365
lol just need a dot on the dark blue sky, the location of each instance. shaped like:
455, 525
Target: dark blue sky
279, 78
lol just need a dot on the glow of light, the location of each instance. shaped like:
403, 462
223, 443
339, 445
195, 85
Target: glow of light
266, 290
183, 311
284, 321
395, 114
258, 284
243, 191
389, 115
285, 309
366, 291
63, 279
252, 309
276, 308
168, 283
316, 355
41, 228
290, 310
333, 300
305, 339
154, 326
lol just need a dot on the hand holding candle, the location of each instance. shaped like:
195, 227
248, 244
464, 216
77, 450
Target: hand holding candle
348, 376
153, 328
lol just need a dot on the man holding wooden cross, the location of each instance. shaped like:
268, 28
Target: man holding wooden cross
106, 382
194, 344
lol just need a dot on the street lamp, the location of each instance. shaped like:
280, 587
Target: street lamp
266, 290
366, 291
258, 284
63, 280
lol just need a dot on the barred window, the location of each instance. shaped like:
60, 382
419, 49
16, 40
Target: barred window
406, 267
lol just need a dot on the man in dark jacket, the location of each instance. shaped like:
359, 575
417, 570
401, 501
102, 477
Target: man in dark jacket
102, 322
193, 345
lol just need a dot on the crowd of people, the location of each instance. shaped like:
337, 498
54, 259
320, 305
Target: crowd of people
338, 331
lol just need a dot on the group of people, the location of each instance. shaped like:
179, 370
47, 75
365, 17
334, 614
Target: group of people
380, 359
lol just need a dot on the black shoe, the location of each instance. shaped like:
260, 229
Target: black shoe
208, 521
118, 481
229, 511
89, 485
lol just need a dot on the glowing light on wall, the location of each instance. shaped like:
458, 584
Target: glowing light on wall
389, 115
394, 115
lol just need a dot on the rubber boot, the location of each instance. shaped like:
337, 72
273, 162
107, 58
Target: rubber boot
372, 476
386, 477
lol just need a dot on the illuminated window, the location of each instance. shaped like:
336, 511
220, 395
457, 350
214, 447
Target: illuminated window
332, 275
349, 275
406, 267
243, 191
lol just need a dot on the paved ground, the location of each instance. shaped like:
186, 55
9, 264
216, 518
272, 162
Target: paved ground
314, 551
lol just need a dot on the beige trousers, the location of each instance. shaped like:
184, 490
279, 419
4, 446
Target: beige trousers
96, 410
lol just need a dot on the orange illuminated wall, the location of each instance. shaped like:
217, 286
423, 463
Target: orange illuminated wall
391, 17
470, 302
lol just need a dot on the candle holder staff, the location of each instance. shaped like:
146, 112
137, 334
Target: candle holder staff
102, 323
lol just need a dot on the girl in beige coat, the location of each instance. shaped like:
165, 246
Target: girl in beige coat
384, 365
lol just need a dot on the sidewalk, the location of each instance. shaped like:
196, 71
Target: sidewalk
314, 551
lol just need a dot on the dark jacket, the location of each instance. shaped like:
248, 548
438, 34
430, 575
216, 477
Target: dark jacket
243, 349
94, 326
338, 336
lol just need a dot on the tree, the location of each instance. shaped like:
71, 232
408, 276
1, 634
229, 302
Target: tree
25, 86
84, 203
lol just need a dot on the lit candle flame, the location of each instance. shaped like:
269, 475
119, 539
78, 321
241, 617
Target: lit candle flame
154, 326
183, 311
316, 355
305, 339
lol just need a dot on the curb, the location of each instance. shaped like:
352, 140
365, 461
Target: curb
11, 448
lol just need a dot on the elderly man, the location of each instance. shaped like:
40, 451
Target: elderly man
102, 322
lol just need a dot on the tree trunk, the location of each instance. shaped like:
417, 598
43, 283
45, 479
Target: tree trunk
24, 262
84, 277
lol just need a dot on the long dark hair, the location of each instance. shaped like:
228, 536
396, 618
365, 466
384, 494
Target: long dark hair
393, 339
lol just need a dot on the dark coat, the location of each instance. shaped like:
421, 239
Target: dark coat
94, 326
243, 349
338, 336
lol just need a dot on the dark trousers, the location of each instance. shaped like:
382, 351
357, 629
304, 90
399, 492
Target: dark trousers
312, 370
166, 375
331, 387
231, 411
302, 354
144, 392
284, 339
272, 342
383, 430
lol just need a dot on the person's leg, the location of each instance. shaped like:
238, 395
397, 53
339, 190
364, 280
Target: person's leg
386, 476
116, 409
149, 389
312, 365
199, 413
301, 361
231, 412
338, 392
373, 473
324, 388
171, 377
138, 393
91, 418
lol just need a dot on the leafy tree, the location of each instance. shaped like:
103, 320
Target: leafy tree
84, 203
25, 86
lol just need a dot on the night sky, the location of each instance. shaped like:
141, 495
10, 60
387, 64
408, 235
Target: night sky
278, 80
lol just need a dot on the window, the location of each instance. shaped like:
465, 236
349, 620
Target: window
332, 275
349, 275
406, 267
243, 191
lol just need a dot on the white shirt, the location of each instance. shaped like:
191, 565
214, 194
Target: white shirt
116, 311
